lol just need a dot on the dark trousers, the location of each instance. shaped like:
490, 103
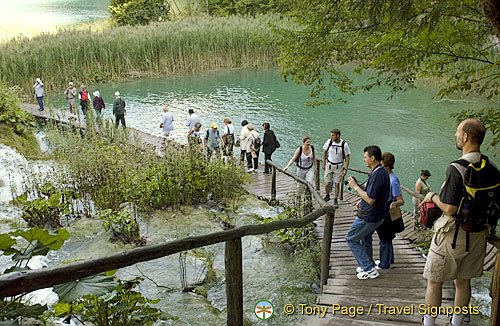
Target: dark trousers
267, 167
40, 102
118, 118
84, 105
248, 157
254, 159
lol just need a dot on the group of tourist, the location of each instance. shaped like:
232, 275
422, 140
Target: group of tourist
83, 95
211, 141
456, 253
458, 246
97, 102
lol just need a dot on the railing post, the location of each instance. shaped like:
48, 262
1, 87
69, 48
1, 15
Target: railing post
234, 282
316, 176
495, 291
325, 249
273, 185
341, 185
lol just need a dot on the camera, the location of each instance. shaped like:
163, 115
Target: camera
346, 182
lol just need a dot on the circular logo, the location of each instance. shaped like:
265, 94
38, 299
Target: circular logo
263, 310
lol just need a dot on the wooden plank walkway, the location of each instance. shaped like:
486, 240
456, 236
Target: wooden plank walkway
401, 286
137, 137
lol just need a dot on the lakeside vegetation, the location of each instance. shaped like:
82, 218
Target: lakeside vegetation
185, 46
16, 125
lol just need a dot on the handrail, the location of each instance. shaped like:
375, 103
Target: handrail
322, 203
20, 282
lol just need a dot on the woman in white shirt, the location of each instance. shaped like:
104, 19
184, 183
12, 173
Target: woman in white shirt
305, 158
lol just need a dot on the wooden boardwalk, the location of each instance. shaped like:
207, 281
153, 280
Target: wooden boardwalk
401, 286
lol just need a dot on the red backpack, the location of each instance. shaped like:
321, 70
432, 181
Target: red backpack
429, 213
85, 95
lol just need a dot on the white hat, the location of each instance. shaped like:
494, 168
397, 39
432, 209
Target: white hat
96, 93
117, 93
39, 80
71, 83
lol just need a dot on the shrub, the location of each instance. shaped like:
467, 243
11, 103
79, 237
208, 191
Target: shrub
123, 227
112, 172
11, 114
139, 12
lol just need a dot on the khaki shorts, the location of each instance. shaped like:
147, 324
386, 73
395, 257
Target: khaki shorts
72, 102
334, 172
445, 263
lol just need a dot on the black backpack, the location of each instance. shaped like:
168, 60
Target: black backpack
298, 158
480, 205
257, 143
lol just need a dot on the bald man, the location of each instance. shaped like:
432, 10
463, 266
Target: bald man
452, 256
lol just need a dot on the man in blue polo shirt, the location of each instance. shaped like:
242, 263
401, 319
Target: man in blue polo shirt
371, 212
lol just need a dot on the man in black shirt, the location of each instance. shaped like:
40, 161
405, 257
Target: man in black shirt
444, 262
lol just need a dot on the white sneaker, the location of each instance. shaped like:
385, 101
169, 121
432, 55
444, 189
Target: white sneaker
249, 170
359, 269
371, 274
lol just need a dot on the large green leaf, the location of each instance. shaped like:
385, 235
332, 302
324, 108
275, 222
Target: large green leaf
97, 285
6, 241
35, 249
53, 241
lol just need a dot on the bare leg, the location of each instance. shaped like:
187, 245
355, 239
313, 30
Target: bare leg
327, 188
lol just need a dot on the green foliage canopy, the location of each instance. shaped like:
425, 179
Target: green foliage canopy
139, 12
452, 41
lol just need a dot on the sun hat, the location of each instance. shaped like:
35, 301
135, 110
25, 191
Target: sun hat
71, 83
96, 93
214, 125
117, 93
190, 111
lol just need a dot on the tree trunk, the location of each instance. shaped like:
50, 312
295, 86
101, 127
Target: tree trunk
491, 10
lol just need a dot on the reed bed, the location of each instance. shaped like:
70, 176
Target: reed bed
184, 46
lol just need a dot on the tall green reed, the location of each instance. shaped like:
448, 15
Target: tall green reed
189, 45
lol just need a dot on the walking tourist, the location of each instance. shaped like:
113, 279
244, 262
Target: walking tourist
335, 152
228, 138
83, 95
269, 145
119, 110
39, 93
243, 136
458, 246
71, 97
99, 105
212, 140
167, 124
387, 231
194, 136
253, 148
305, 158
193, 118
371, 212
422, 188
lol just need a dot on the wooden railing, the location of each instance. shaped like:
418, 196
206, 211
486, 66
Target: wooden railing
495, 282
26, 281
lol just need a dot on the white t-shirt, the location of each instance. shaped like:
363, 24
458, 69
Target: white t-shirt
335, 151
244, 138
229, 129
